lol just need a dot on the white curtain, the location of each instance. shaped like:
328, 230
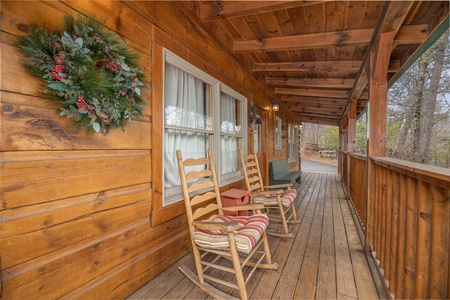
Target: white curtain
186, 105
228, 144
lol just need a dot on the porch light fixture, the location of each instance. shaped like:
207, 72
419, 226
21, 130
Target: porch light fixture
275, 105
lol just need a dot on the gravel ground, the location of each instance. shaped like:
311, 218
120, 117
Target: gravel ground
316, 167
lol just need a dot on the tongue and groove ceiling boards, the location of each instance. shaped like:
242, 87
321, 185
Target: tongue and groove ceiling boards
315, 53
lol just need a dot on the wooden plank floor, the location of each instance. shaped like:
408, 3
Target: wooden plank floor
324, 260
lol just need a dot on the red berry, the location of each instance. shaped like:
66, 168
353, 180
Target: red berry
122, 94
56, 70
81, 104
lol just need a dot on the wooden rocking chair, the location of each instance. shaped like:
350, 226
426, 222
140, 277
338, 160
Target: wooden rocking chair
278, 202
218, 239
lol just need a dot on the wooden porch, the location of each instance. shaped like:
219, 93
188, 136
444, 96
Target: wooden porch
325, 259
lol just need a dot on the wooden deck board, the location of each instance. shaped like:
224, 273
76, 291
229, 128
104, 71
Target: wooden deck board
325, 259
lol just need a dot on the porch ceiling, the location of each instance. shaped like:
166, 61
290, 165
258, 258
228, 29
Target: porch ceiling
315, 53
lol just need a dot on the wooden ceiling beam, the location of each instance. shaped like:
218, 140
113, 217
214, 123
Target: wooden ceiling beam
336, 113
412, 34
317, 100
319, 116
307, 41
218, 10
407, 34
312, 92
312, 82
315, 106
319, 121
327, 66
322, 66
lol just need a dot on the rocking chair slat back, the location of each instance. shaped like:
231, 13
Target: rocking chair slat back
201, 212
198, 174
199, 199
205, 187
195, 161
197, 186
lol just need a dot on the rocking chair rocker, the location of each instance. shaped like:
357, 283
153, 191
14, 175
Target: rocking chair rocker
218, 239
278, 202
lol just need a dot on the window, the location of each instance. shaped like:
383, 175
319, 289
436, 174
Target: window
200, 113
256, 137
292, 142
278, 133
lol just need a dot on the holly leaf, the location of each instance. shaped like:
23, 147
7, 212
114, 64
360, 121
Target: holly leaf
84, 112
137, 90
79, 41
96, 126
58, 86
66, 35
71, 100
85, 50
125, 67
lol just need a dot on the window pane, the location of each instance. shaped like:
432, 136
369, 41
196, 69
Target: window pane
278, 133
229, 114
256, 137
192, 145
229, 154
187, 100
229, 124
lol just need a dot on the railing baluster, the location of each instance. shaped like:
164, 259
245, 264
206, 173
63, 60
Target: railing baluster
423, 240
440, 244
411, 238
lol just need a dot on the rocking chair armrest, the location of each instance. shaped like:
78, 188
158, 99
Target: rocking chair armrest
225, 226
278, 186
254, 206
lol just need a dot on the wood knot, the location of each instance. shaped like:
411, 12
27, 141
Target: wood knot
20, 24
8, 108
47, 221
101, 196
425, 216
22, 27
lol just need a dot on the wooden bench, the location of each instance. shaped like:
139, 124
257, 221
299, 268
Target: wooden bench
279, 173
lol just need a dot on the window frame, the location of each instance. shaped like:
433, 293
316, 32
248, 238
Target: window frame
292, 142
278, 133
174, 195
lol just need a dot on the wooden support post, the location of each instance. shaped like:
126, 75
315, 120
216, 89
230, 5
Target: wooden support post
351, 137
378, 67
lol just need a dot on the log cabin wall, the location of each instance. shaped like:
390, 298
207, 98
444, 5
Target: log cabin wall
80, 215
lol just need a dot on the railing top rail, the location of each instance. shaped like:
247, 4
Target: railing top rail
431, 174
358, 155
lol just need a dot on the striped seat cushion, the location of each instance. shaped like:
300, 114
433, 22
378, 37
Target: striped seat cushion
287, 198
251, 228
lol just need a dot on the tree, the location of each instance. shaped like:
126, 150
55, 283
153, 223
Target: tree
418, 108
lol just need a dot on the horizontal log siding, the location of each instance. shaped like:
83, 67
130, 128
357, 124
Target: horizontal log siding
411, 224
77, 211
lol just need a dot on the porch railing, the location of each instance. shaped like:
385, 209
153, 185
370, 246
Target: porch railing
411, 223
357, 186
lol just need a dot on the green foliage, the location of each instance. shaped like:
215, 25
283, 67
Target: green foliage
330, 138
89, 70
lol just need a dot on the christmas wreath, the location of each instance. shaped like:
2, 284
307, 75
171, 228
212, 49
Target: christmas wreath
89, 70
